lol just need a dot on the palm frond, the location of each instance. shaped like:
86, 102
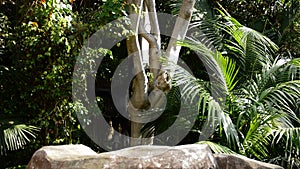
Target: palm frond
257, 50
295, 62
254, 49
217, 148
268, 108
291, 137
258, 136
284, 70
206, 32
196, 88
16, 137
282, 98
223, 69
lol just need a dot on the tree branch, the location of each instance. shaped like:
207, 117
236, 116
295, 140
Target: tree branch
180, 29
139, 98
155, 52
140, 83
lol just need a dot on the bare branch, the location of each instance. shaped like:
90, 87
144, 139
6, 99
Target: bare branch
180, 29
139, 98
163, 81
140, 83
153, 19
155, 52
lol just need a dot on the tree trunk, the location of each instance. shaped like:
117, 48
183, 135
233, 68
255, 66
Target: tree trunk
140, 102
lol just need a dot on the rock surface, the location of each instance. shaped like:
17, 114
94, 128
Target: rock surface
238, 162
186, 156
57, 156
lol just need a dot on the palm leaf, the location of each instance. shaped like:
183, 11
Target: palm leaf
283, 97
254, 49
193, 87
258, 138
217, 148
16, 137
269, 108
283, 70
291, 137
206, 32
223, 70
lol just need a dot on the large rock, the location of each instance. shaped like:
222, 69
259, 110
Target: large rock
226, 161
60, 156
186, 156
79, 156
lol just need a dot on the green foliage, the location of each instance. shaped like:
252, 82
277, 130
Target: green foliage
289, 41
216, 148
41, 52
277, 19
16, 136
39, 44
37, 66
260, 113
258, 117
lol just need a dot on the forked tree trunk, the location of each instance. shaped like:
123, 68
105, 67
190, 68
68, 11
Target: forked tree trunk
140, 101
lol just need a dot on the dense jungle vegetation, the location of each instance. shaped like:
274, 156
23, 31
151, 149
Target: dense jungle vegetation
256, 49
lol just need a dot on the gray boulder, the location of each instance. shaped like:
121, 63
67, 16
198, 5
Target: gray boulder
63, 156
226, 161
186, 156
79, 156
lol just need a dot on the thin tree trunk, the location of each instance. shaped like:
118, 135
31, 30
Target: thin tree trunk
140, 101
155, 42
179, 31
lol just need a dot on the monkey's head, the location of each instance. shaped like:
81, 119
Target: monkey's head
163, 81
